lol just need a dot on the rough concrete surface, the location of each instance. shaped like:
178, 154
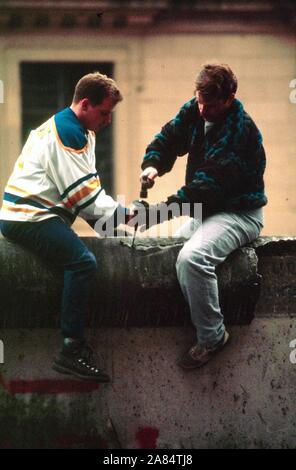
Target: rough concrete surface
134, 286
244, 398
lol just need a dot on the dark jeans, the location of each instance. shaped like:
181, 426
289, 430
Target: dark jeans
55, 242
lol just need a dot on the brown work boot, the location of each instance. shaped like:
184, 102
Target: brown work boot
197, 356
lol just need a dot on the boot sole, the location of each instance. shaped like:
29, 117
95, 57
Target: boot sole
64, 370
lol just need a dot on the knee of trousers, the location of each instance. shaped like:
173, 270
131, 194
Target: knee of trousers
91, 261
189, 259
86, 263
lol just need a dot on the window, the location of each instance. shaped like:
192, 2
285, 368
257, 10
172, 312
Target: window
47, 87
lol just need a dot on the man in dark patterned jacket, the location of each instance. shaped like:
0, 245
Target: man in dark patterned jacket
225, 166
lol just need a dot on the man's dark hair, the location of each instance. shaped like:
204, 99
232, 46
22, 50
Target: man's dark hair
216, 82
96, 87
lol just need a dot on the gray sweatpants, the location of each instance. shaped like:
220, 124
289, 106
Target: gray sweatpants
209, 244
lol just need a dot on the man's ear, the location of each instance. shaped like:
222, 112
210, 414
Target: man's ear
84, 104
230, 99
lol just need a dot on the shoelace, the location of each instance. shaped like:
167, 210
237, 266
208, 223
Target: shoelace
85, 358
86, 353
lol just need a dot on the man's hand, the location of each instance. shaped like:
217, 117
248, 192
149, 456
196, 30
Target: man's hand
138, 213
146, 215
148, 176
130, 214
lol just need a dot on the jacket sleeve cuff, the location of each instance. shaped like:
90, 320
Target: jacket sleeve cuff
155, 164
190, 206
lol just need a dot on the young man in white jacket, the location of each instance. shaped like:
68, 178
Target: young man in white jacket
54, 180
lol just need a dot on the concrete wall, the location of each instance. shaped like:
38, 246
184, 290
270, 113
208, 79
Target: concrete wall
156, 75
244, 398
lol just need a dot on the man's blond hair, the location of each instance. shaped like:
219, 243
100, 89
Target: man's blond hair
96, 87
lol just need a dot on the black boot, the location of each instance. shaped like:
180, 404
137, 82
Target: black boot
76, 359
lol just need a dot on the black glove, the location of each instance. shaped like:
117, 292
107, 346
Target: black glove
147, 215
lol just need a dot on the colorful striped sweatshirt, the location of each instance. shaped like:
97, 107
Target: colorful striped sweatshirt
55, 174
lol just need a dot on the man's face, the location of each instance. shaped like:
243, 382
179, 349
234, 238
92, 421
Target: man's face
213, 110
99, 116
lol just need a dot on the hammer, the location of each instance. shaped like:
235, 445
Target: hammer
143, 195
